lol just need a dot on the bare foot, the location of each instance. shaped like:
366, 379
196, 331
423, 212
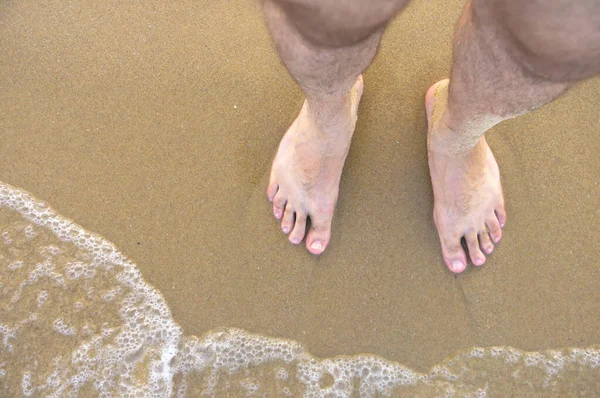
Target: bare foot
468, 199
308, 166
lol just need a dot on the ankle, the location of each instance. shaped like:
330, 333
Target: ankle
456, 135
330, 113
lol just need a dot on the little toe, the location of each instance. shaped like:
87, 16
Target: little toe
279, 205
272, 190
485, 243
299, 230
477, 256
287, 222
454, 255
318, 236
501, 215
493, 225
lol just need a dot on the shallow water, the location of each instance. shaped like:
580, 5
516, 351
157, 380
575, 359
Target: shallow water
77, 318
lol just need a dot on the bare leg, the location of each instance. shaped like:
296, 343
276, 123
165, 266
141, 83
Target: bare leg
325, 44
510, 56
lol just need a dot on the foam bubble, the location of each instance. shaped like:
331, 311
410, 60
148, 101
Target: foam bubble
15, 265
61, 327
41, 298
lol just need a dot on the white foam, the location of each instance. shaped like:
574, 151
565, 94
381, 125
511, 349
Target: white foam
15, 265
41, 298
61, 327
282, 374
27, 385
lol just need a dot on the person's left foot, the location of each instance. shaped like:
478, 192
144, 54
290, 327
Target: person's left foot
468, 201
306, 172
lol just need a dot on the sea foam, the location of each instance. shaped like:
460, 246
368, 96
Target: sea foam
78, 319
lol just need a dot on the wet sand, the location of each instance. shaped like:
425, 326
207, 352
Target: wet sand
154, 125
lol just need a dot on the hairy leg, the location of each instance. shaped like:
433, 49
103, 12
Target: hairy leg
325, 45
509, 57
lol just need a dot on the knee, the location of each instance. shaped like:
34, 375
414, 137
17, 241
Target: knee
556, 39
334, 23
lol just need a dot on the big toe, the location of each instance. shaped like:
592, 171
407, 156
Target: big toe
318, 236
454, 255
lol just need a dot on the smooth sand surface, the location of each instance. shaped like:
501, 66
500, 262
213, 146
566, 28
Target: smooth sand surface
154, 124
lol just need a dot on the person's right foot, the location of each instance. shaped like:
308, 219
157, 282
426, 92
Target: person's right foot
468, 199
306, 171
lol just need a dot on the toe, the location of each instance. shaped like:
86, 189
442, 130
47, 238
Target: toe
454, 255
477, 257
279, 205
299, 230
501, 215
318, 235
485, 243
495, 230
287, 223
272, 190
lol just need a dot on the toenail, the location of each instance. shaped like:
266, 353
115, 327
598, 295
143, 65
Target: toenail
479, 261
295, 241
316, 245
285, 230
457, 266
277, 214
